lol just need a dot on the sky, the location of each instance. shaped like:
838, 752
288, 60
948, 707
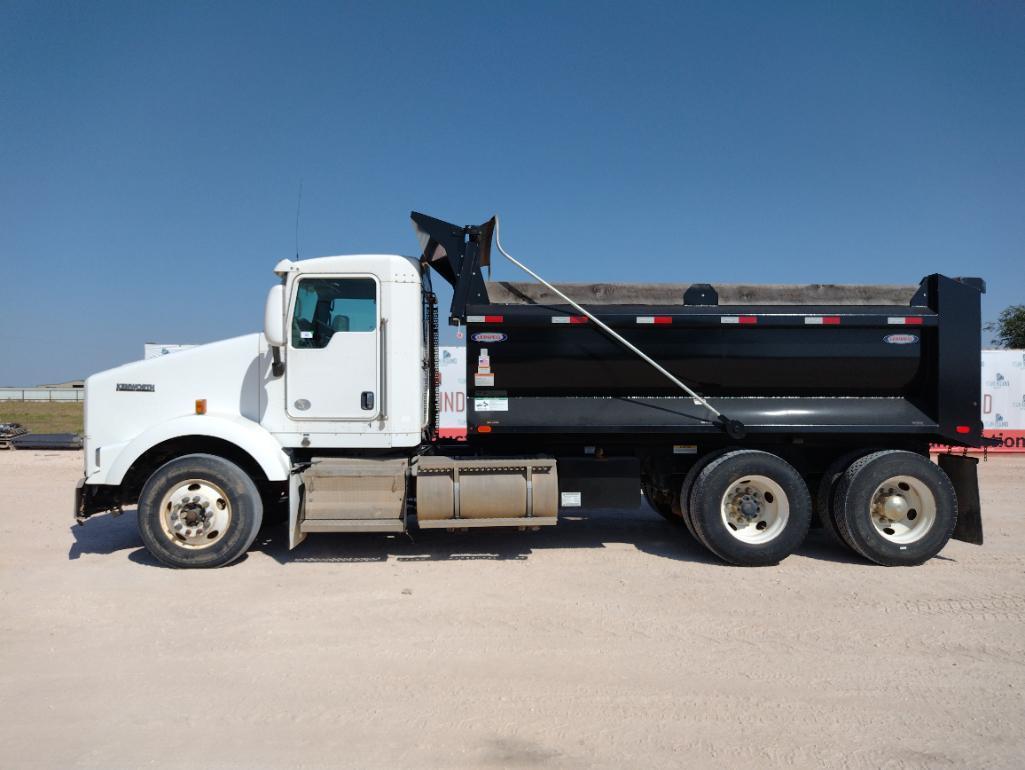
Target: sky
151, 154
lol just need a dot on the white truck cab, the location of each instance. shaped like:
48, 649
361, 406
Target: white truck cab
342, 364
348, 334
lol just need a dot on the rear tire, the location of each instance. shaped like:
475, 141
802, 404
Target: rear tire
688, 485
750, 508
895, 508
826, 488
199, 510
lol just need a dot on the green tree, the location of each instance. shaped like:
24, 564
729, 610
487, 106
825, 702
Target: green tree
1009, 327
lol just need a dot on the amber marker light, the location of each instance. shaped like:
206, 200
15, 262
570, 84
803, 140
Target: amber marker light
200, 406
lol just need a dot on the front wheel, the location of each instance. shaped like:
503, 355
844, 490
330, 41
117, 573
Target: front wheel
199, 510
750, 508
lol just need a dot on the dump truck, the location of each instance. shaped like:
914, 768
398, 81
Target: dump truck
745, 414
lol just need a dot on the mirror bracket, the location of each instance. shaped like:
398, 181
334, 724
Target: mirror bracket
277, 367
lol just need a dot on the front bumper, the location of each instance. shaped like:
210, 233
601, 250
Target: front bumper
95, 498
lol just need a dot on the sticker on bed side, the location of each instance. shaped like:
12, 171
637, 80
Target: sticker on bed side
900, 339
570, 499
491, 404
484, 379
685, 449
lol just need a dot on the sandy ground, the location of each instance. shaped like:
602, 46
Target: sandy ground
609, 641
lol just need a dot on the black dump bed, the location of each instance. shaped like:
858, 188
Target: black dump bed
781, 359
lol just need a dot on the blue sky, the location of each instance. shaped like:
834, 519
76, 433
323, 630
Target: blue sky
151, 153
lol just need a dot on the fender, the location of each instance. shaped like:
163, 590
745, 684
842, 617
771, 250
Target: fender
245, 434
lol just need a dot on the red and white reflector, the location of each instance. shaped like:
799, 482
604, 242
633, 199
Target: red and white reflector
908, 320
654, 319
484, 319
739, 319
822, 320
569, 319
963, 429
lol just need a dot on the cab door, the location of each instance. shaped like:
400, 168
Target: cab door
333, 365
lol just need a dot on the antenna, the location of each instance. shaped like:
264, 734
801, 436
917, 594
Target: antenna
298, 208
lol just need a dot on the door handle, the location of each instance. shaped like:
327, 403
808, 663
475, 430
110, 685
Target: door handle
366, 400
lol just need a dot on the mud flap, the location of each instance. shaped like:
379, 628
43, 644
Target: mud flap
963, 473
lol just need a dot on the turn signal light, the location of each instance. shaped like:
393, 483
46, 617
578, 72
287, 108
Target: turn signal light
200, 406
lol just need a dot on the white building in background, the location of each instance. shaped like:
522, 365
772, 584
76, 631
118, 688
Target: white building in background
157, 349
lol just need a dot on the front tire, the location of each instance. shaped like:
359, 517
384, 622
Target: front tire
895, 508
199, 510
750, 508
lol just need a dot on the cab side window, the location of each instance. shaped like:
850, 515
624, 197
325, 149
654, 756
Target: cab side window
328, 306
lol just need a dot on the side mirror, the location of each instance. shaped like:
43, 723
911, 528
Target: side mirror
274, 317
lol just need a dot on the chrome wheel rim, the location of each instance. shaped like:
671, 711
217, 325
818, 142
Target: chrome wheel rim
903, 509
755, 509
195, 514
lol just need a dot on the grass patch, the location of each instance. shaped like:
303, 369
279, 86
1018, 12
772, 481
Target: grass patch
43, 416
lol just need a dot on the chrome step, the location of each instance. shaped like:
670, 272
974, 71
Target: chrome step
352, 525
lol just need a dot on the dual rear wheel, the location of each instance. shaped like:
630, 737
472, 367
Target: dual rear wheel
892, 507
752, 508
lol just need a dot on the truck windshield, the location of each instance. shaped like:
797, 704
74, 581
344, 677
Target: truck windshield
326, 306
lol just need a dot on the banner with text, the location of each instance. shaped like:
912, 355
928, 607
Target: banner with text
452, 392
1003, 398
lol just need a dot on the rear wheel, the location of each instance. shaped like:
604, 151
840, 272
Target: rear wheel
750, 508
895, 508
683, 502
199, 511
827, 485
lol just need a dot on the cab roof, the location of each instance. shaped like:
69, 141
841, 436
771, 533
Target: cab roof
387, 267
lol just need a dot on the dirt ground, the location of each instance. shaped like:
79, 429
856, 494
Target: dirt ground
609, 641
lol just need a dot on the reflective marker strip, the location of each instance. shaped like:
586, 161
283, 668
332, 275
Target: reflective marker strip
569, 319
654, 319
484, 319
819, 320
911, 320
739, 319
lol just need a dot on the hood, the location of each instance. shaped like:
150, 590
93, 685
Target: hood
121, 402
